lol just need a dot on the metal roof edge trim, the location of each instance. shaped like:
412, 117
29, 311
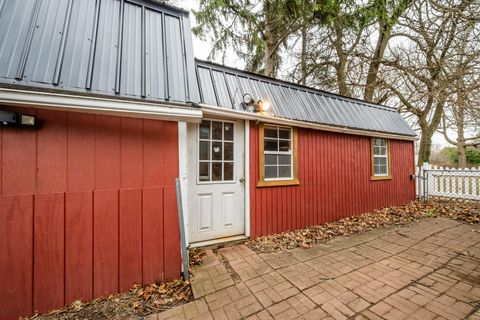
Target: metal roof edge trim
95, 105
222, 112
260, 77
169, 8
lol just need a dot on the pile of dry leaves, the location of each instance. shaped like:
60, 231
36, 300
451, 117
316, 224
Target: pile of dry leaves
196, 256
138, 302
468, 212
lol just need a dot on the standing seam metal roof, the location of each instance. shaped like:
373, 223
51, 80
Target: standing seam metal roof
224, 87
123, 48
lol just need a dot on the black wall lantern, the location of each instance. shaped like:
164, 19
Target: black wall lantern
10, 118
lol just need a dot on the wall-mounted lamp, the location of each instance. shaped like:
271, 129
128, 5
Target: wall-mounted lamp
10, 118
262, 105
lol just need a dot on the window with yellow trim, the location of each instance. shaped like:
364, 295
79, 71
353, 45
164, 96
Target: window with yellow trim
380, 158
277, 155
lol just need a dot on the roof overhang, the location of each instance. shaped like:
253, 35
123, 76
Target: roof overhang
211, 111
95, 105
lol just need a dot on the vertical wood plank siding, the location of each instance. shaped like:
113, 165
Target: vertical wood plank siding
86, 208
334, 172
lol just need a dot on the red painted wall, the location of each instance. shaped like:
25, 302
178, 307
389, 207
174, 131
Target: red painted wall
87, 208
334, 172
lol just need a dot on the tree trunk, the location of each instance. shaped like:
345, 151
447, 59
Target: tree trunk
303, 57
342, 60
461, 145
270, 54
383, 38
424, 149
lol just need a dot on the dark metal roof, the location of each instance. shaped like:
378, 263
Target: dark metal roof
125, 48
224, 87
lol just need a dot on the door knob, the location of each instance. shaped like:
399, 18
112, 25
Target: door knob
242, 180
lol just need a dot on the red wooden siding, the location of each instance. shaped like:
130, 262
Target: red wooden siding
86, 208
334, 172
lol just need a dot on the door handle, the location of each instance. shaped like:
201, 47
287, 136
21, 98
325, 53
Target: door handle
242, 180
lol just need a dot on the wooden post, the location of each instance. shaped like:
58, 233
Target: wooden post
183, 245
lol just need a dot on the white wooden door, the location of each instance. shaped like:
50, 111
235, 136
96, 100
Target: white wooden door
216, 179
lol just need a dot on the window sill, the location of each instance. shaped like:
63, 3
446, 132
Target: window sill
278, 183
374, 178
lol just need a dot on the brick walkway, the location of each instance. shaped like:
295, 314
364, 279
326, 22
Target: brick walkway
428, 270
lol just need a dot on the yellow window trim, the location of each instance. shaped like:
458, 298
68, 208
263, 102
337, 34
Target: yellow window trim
373, 176
276, 183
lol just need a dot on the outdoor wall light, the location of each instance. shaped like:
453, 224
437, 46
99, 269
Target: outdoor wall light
27, 120
248, 99
262, 105
10, 118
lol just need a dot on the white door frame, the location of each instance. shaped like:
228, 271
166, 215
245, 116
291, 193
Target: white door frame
185, 179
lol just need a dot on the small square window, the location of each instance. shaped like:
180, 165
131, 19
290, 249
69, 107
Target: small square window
277, 151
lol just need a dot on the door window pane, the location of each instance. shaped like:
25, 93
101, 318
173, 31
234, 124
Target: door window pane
228, 171
205, 130
216, 171
216, 130
216, 150
228, 131
204, 171
204, 150
228, 151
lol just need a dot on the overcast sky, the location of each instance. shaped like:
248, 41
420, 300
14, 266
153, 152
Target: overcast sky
202, 49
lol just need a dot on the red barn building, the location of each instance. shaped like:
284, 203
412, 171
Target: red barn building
102, 106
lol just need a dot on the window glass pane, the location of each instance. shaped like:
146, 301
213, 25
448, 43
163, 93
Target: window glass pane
381, 151
284, 133
271, 145
284, 171
228, 131
216, 130
270, 132
380, 161
216, 150
228, 171
216, 171
204, 171
379, 142
383, 169
271, 159
283, 159
205, 130
380, 170
228, 151
270, 172
284, 145
204, 150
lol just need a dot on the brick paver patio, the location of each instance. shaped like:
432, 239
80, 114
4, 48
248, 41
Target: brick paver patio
428, 270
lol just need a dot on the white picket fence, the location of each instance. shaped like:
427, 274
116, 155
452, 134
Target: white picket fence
433, 181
